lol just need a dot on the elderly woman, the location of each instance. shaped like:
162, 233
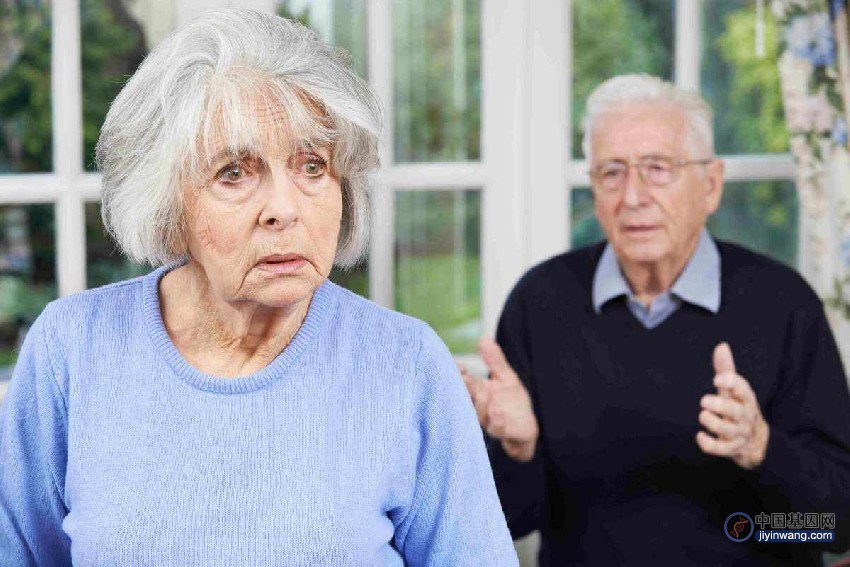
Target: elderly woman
234, 407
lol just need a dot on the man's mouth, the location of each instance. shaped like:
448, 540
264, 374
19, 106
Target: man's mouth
638, 229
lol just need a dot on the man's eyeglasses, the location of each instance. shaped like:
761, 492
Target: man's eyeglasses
610, 176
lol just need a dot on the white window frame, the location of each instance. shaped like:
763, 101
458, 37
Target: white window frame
498, 175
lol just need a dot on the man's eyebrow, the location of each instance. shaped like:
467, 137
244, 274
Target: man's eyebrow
641, 157
655, 156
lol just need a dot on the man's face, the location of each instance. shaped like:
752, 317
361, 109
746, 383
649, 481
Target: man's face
648, 225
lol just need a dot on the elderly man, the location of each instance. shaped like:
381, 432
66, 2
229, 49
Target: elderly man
655, 398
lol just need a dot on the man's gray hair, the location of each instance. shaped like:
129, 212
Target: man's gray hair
640, 88
222, 76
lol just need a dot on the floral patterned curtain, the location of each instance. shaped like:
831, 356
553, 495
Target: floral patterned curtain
814, 67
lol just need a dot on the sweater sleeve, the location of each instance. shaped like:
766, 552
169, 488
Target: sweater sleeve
32, 460
807, 464
521, 486
454, 517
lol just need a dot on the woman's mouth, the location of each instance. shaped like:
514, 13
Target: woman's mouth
281, 263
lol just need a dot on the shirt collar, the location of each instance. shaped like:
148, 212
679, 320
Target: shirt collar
699, 282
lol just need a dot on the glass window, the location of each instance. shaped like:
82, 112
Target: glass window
611, 37
761, 215
105, 264
437, 59
27, 274
26, 137
584, 227
339, 22
742, 88
438, 262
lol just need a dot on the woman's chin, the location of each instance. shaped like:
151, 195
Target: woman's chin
283, 292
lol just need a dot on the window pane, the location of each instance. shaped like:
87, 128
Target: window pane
113, 43
26, 137
116, 36
105, 264
584, 226
339, 22
27, 275
356, 279
761, 215
611, 37
742, 88
437, 60
438, 263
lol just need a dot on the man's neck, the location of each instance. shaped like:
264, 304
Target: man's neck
649, 280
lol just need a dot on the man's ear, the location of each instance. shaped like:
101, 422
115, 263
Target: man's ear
714, 176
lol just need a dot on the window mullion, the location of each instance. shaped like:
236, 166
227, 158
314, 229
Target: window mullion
380, 56
688, 36
505, 148
66, 89
548, 206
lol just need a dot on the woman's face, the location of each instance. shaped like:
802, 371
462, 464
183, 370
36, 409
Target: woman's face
264, 228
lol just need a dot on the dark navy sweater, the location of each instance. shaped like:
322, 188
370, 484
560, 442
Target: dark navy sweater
617, 478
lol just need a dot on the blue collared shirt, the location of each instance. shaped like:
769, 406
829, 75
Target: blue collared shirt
699, 284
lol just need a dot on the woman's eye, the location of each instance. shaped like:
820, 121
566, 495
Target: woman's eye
312, 166
232, 173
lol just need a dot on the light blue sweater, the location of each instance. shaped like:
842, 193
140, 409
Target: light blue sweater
357, 445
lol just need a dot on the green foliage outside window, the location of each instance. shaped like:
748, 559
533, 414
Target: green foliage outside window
612, 37
742, 88
745, 91
25, 104
437, 78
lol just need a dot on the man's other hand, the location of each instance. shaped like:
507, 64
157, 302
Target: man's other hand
732, 418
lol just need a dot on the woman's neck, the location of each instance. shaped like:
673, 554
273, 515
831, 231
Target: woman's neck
220, 337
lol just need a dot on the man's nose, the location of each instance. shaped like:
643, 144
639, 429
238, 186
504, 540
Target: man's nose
635, 190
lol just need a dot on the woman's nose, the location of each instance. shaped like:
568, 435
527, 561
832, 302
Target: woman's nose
280, 193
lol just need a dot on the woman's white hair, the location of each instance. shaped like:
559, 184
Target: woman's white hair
641, 88
222, 77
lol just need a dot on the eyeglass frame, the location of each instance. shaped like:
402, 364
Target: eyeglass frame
677, 165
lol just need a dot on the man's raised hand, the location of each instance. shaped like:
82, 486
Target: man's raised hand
502, 403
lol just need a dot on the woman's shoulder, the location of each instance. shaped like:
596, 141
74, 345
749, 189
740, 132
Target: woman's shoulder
111, 303
377, 328
371, 317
